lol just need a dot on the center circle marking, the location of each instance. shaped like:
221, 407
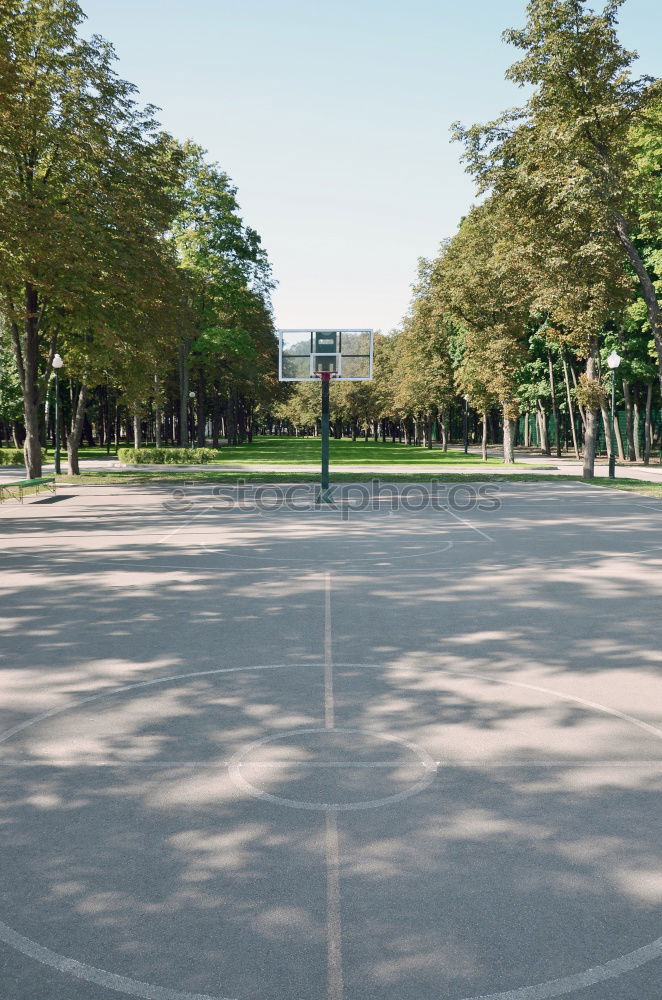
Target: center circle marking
416, 755
562, 986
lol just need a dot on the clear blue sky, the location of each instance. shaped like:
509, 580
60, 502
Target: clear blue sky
332, 118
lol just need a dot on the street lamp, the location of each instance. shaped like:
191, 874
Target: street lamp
191, 396
466, 424
613, 361
57, 363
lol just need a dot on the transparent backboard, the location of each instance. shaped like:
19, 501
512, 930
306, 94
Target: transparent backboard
304, 354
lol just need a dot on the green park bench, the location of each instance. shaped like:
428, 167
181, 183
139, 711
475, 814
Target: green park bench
19, 489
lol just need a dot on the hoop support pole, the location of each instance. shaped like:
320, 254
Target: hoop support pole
324, 495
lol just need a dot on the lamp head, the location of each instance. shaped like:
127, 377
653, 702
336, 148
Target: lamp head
614, 360
57, 361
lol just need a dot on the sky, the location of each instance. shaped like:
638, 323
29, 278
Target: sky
332, 118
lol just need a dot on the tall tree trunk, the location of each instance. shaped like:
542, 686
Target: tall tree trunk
74, 436
182, 359
629, 422
636, 424
509, 431
216, 418
555, 408
202, 409
527, 430
571, 414
443, 427
26, 350
47, 421
591, 432
103, 417
606, 423
580, 408
590, 439
137, 428
483, 443
157, 412
231, 420
648, 435
542, 426
619, 438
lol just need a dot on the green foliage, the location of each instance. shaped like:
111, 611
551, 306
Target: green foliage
11, 398
422, 371
229, 334
482, 290
12, 456
167, 456
591, 392
87, 179
564, 170
303, 406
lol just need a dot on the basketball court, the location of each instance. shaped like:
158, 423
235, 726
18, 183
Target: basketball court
401, 752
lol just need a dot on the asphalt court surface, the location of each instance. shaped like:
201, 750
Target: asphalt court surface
367, 752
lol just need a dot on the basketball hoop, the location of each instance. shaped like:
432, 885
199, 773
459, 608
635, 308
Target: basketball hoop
345, 355
308, 354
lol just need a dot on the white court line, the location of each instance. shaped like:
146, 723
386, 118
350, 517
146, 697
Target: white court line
551, 988
90, 974
336, 987
335, 979
180, 527
329, 709
468, 524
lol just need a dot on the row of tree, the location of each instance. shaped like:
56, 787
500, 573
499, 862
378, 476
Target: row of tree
121, 249
559, 263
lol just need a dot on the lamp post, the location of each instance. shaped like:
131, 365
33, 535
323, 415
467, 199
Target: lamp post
466, 424
613, 361
191, 434
57, 363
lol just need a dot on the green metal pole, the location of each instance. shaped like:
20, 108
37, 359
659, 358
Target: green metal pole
612, 454
57, 424
324, 495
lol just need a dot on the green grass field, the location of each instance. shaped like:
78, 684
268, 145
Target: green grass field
308, 450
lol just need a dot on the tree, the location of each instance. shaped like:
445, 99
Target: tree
228, 275
480, 287
78, 159
568, 149
423, 374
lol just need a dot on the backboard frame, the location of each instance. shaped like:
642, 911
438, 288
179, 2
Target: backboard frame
313, 354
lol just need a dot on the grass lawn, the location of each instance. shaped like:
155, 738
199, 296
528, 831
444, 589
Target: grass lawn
214, 475
308, 451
